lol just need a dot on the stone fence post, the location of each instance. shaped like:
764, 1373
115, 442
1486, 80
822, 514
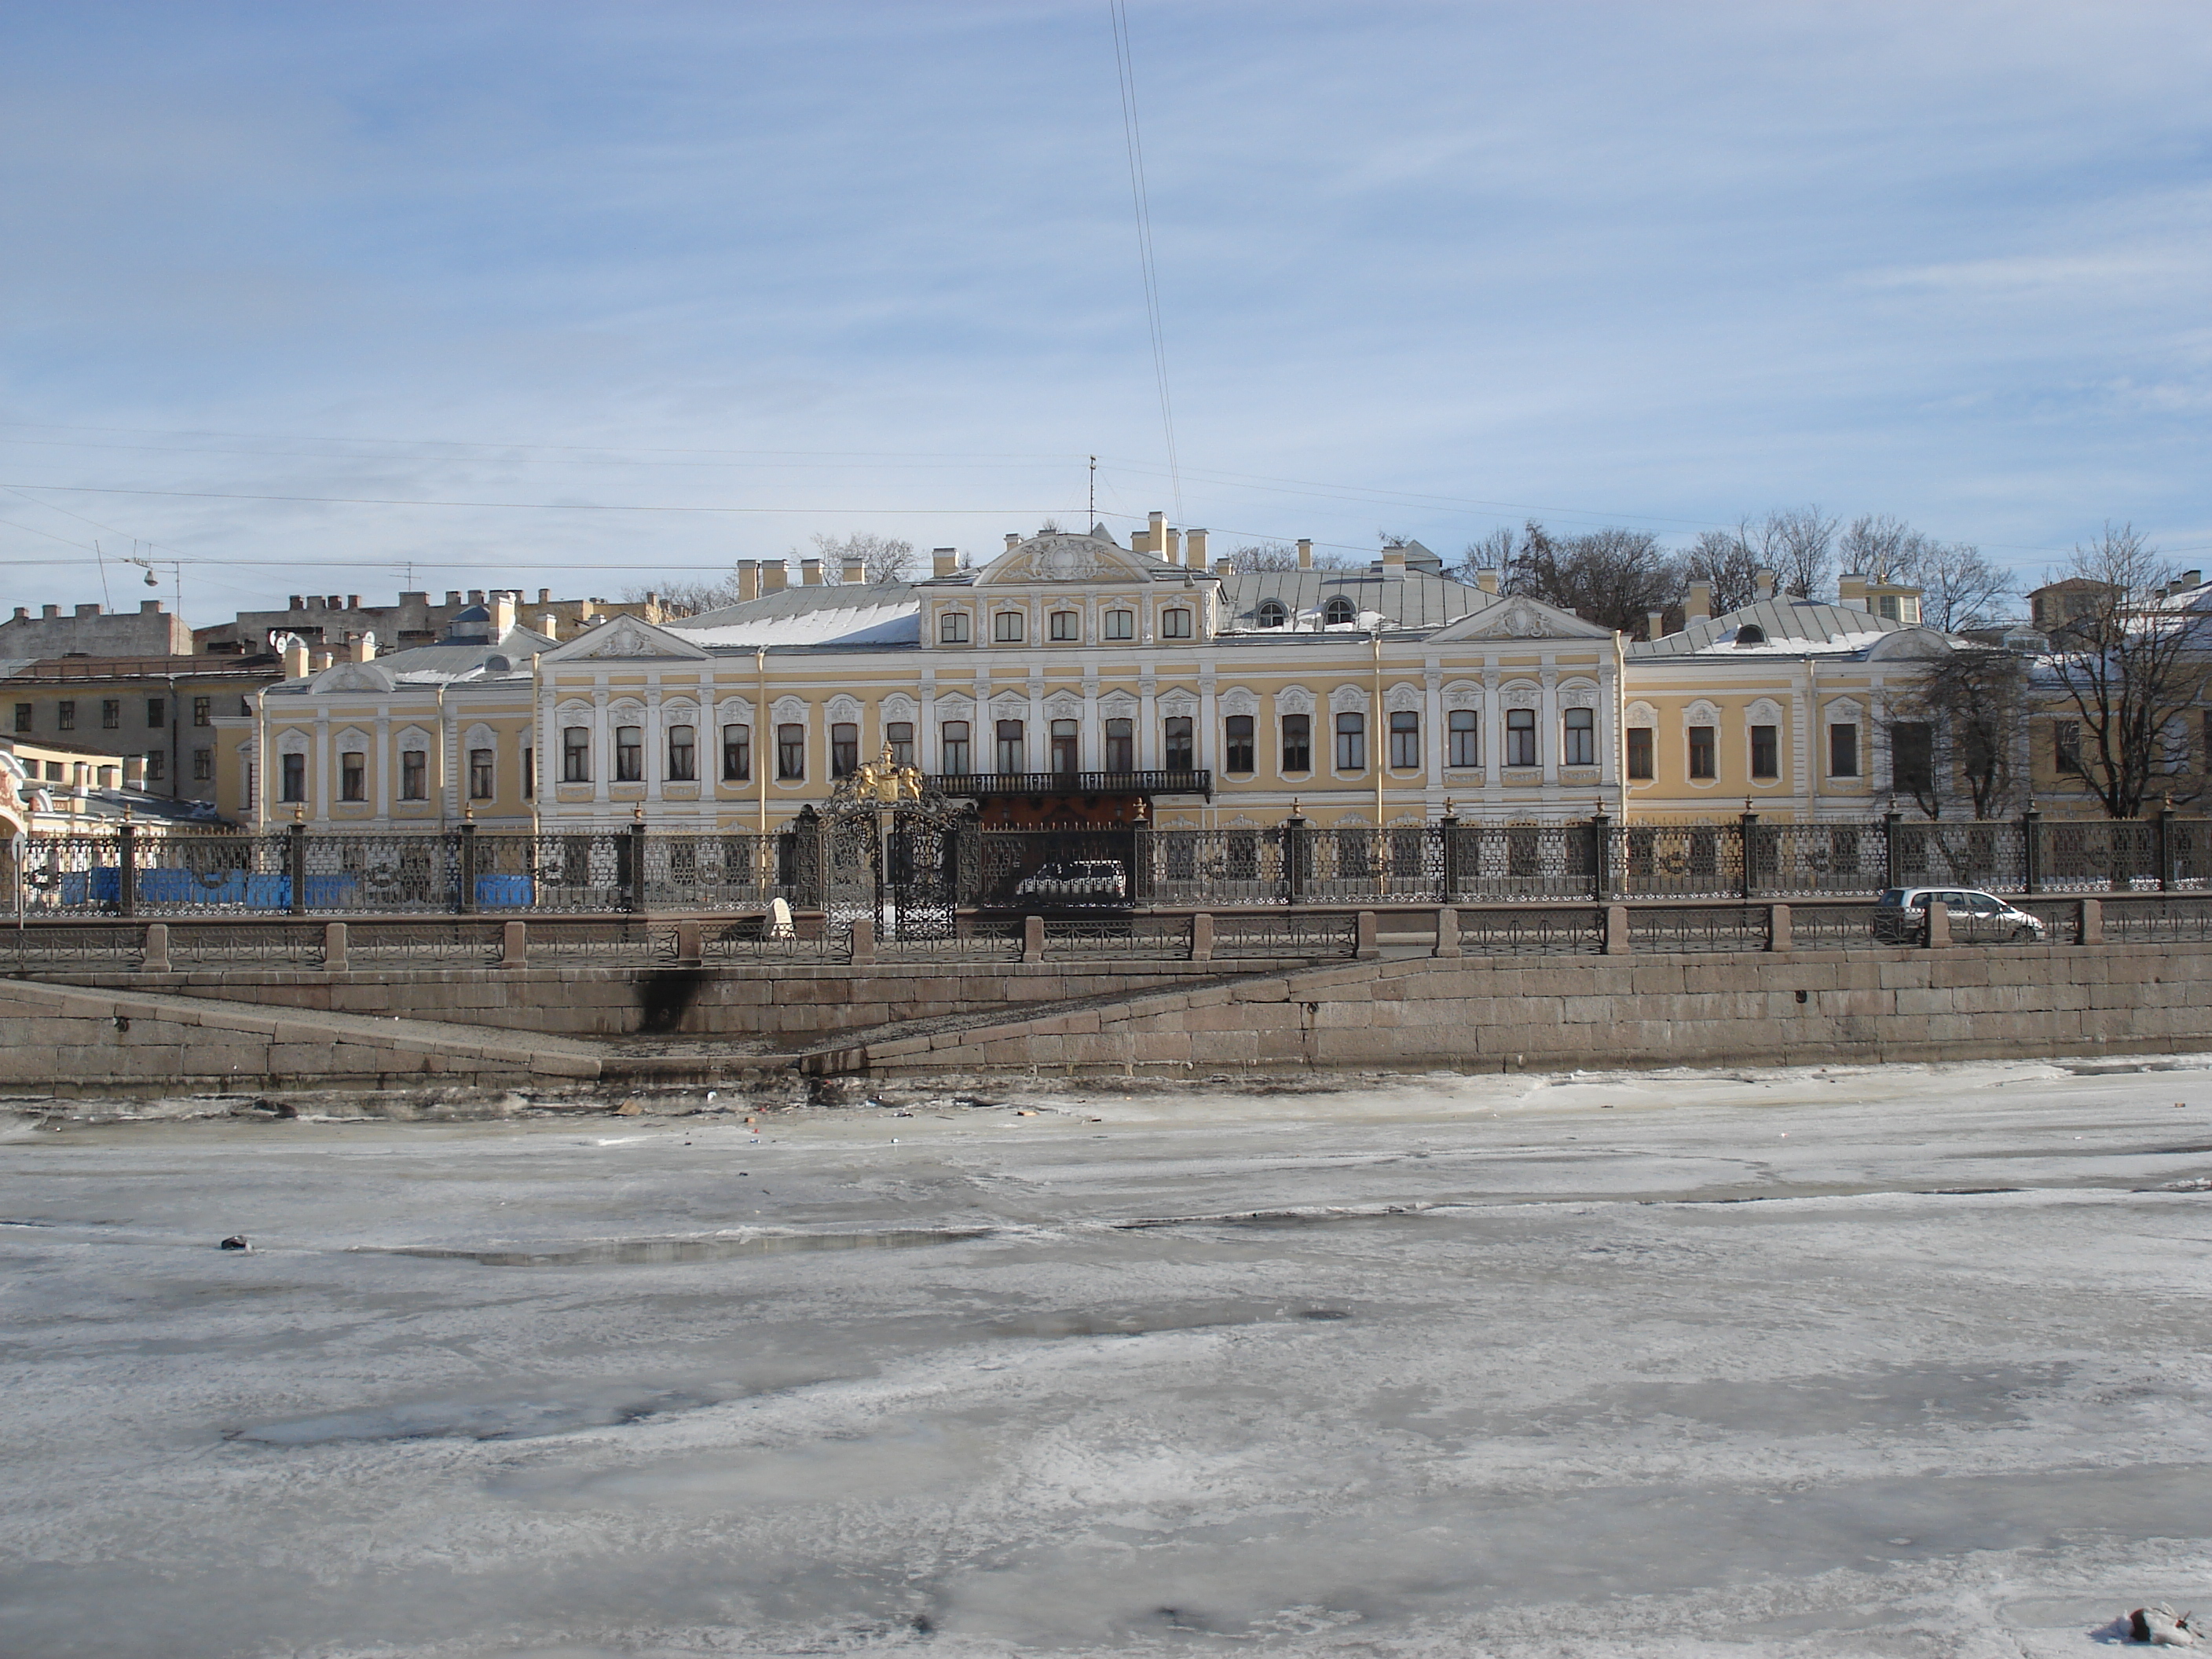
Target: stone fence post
1447, 931
157, 949
1616, 930
864, 941
335, 939
1939, 924
1201, 936
1364, 948
1032, 939
2089, 924
514, 944
1778, 928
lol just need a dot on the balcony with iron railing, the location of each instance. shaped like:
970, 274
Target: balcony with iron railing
1184, 782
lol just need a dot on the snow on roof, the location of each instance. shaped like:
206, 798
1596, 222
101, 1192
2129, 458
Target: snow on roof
1793, 627
857, 614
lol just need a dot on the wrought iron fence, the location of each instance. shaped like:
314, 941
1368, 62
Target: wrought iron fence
1830, 927
1675, 928
2162, 921
67, 945
915, 880
1285, 933
1535, 931
247, 942
375, 944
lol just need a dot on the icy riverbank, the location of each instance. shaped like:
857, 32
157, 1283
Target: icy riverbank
1900, 1361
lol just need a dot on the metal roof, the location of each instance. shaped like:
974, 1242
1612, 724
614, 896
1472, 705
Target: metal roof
1792, 627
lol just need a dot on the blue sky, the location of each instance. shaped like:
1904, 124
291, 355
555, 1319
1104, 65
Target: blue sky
1424, 268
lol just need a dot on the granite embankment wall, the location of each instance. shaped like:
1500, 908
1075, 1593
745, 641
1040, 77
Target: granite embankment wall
1561, 1012
78, 1040
792, 1005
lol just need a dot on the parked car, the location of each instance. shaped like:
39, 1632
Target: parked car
1082, 881
1901, 916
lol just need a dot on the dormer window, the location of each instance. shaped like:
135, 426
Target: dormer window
952, 628
1121, 624
1339, 611
1006, 628
1175, 625
1064, 626
1751, 633
1274, 615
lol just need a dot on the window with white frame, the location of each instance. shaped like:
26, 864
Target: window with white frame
1463, 732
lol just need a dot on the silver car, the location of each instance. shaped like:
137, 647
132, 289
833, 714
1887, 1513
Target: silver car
1901, 916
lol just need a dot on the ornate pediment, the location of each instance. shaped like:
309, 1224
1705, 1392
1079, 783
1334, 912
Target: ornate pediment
1521, 618
625, 637
1059, 556
353, 677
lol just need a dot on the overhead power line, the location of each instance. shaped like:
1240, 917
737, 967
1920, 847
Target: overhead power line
1132, 138
535, 506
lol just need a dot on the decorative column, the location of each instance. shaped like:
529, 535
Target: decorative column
1549, 735
1148, 721
603, 749
1433, 736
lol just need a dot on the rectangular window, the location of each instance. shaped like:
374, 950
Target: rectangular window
1912, 756
1765, 751
790, 752
110, 713
1464, 732
353, 776
576, 754
1844, 750
1121, 624
952, 628
844, 748
1297, 743
1064, 748
1175, 625
157, 712
1702, 749
900, 735
2066, 746
1578, 738
630, 754
480, 777
1521, 737
1176, 732
1351, 743
22, 717
202, 711
1006, 628
1011, 752
736, 754
65, 714
1239, 749
683, 754
1639, 753
202, 765
953, 740
1120, 746
1404, 740
529, 774
1064, 626
415, 774
294, 784
157, 766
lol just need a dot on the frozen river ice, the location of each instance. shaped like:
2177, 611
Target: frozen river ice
1906, 1361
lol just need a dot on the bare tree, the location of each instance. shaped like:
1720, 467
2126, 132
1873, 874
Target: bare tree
885, 559
2133, 670
1728, 560
1800, 546
1973, 700
1959, 588
1491, 552
1612, 577
688, 595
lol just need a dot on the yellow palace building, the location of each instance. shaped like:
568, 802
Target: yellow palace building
1073, 680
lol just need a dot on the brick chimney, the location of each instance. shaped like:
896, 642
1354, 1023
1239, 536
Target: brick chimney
854, 571
1655, 624
1698, 607
1193, 549
810, 572
502, 616
1394, 561
1486, 579
774, 575
944, 560
1763, 583
1306, 553
749, 580
295, 651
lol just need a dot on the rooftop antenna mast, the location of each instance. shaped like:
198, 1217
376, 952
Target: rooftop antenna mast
1094, 495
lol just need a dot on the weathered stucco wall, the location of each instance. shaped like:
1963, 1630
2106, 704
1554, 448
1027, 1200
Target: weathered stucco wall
1563, 1012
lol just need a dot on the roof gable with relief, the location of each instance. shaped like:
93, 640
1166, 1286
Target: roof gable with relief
1516, 617
625, 639
1061, 556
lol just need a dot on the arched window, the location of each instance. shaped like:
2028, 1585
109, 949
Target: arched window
683, 754
1339, 610
1175, 625
1273, 614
